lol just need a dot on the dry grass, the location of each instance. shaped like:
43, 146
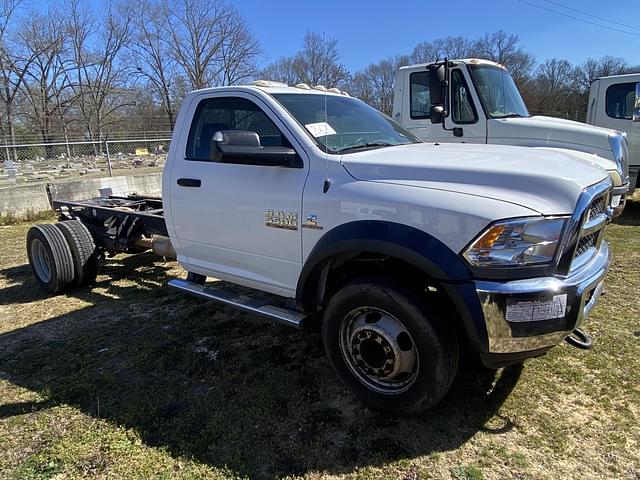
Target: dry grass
130, 380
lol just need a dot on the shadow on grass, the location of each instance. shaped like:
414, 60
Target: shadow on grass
219, 386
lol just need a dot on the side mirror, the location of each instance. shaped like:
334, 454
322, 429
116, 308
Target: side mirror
438, 91
437, 114
243, 147
636, 106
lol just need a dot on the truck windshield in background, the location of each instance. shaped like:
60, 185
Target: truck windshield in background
343, 124
498, 92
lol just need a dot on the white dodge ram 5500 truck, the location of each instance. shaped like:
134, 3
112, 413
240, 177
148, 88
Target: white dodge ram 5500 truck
329, 210
477, 101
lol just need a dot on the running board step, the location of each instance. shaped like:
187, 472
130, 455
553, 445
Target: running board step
291, 318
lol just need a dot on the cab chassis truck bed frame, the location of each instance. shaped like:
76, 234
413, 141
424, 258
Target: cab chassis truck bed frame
134, 224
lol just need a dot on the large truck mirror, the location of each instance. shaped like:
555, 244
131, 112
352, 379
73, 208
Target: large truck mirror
436, 81
636, 105
438, 91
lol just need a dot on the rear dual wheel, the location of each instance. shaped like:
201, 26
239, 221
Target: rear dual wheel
62, 256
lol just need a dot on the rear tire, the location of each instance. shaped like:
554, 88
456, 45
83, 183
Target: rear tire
83, 250
50, 258
389, 346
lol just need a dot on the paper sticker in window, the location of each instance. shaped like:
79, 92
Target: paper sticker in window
320, 129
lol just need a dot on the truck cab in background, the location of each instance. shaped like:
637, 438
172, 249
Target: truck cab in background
614, 102
477, 101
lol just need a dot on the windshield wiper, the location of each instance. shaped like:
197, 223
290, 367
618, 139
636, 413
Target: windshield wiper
363, 146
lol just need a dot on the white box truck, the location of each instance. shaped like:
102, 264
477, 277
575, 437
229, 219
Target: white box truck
614, 102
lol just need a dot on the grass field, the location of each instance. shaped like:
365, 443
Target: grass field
128, 379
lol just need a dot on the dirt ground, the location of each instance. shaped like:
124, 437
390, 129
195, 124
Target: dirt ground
128, 379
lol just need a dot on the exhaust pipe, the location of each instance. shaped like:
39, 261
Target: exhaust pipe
160, 245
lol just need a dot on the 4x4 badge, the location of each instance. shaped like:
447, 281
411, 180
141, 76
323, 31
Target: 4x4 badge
312, 222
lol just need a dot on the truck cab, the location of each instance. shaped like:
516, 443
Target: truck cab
614, 102
477, 101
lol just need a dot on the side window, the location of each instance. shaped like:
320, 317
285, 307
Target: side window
463, 110
620, 99
229, 113
419, 95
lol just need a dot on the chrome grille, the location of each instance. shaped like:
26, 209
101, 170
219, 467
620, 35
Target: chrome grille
591, 229
598, 206
584, 231
585, 243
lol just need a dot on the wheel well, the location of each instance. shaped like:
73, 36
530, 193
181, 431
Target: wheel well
331, 274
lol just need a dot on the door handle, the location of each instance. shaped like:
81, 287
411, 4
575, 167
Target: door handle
189, 182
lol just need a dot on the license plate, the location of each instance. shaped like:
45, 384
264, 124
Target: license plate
537, 310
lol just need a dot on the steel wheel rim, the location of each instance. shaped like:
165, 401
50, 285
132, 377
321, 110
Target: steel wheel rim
379, 350
41, 261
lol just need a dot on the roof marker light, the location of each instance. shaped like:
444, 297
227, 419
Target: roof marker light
303, 86
268, 83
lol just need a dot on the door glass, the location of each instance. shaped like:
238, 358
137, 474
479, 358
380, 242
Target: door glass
229, 113
463, 111
620, 100
419, 95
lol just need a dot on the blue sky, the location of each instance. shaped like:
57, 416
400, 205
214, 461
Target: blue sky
370, 30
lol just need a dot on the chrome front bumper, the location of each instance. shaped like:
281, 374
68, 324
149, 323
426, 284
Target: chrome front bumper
535, 314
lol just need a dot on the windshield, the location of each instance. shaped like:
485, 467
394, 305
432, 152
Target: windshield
347, 126
498, 93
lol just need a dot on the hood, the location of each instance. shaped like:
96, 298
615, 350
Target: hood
546, 181
543, 131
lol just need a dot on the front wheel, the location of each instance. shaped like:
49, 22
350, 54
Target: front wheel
389, 346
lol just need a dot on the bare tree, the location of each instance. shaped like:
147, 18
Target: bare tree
589, 70
239, 51
44, 38
210, 42
503, 48
374, 85
14, 63
282, 70
151, 57
318, 63
100, 76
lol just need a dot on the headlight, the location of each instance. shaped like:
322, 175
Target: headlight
620, 149
519, 242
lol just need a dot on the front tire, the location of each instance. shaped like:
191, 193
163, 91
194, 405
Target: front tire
389, 346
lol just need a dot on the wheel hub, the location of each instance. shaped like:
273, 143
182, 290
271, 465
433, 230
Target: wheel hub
379, 350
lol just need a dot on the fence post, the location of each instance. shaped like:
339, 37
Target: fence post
106, 144
66, 141
6, 146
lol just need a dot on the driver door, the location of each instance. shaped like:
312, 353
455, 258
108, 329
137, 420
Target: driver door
238, 221
464, 124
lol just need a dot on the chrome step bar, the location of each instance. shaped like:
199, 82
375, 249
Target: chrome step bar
291, 318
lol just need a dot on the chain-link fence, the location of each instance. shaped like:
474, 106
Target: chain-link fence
38, 162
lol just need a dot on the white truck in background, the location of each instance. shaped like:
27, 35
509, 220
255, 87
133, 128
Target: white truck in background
614, 102
477, 101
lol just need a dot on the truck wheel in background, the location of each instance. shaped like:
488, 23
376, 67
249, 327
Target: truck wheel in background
388, 346
83, 250
50, 257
